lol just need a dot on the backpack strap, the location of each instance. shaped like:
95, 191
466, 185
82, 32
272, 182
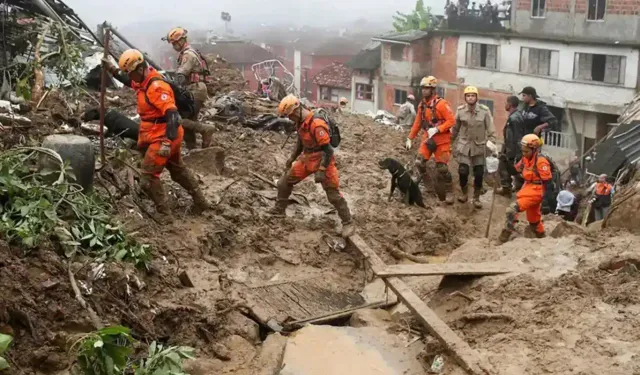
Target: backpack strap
151, 80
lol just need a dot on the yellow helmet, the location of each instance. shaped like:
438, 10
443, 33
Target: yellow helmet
176, 34
430, 81
130, 60
471, 90
532, 141
289, 104
343, 100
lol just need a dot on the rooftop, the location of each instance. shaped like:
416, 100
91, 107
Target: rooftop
403, 37
367, 59
237, 52
335, 75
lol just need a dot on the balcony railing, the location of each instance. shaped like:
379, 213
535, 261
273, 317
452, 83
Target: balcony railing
559, 139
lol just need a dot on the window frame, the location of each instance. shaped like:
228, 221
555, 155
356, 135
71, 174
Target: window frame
331, 93
395, 96
554, 62
622, 64
371, 92
544, 9
604, 12
469, 51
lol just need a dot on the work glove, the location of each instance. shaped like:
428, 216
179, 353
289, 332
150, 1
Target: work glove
165, 149
408, 144
108, 65
432, 131
173, 122
320, 176
492, 148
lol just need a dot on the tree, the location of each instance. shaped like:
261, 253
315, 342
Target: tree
419, 19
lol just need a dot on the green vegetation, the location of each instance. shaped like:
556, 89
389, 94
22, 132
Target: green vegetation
44, 204
5, 340
419, 19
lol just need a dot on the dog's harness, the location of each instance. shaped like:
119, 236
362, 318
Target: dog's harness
403, 173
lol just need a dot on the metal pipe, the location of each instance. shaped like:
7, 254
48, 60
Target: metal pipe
103, 89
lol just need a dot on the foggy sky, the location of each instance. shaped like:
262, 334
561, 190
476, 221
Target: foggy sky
244, 13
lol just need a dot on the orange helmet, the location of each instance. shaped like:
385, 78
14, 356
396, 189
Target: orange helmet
176, 34
130, 60
531, 141
430, 81
289, 104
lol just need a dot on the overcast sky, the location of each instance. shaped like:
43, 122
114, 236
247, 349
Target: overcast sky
206, 13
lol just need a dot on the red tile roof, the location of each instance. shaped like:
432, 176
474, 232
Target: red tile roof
335, 75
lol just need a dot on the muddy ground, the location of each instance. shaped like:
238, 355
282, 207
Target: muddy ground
570, 316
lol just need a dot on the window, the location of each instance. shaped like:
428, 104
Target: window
600, 68
539, 61
537, 8
328, 94
488, 103
397, 52
596, 10
440, 91
364, 92
482, 55
401, 96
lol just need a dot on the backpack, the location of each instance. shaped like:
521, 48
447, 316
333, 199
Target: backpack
334, 131
184, 99
204, 65
553, 187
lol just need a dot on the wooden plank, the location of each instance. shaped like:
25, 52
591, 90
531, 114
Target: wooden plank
479, 269
466, 357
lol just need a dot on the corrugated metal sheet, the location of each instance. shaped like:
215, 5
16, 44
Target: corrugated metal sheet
629, 143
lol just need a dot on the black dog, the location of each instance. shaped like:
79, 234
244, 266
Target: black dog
116, 123
400, 178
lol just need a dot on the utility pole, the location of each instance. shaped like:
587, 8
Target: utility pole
226, 17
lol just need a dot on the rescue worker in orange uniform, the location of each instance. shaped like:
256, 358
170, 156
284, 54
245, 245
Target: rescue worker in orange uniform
535, 170
160, 135
191, 74
602, 200
313, 155
436, 119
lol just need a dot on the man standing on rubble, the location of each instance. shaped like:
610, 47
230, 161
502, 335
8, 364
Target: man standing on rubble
406, 115
160, 135
313, 155
191, 74
474, 135
537, 116
536, 173
602, 200
435, 118
512, 134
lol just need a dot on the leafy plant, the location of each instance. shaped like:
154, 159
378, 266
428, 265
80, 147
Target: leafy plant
105, 352
419, 19
40, 204
163, 361
5, 340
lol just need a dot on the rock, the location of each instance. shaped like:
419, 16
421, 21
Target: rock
203, 366
208, 160
241, 351
49, 284
370, 318
269, 360
221, 352
76, 150
244, 327
185, 280
566, 228
377, 291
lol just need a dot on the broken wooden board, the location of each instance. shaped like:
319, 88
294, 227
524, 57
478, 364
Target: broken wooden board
466, 357
474, 269
300, 300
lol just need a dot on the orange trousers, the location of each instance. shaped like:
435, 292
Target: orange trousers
442, 154
308, 164
150, 140
529, 200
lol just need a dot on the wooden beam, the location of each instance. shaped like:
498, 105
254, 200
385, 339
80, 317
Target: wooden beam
478, 269
466, 357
